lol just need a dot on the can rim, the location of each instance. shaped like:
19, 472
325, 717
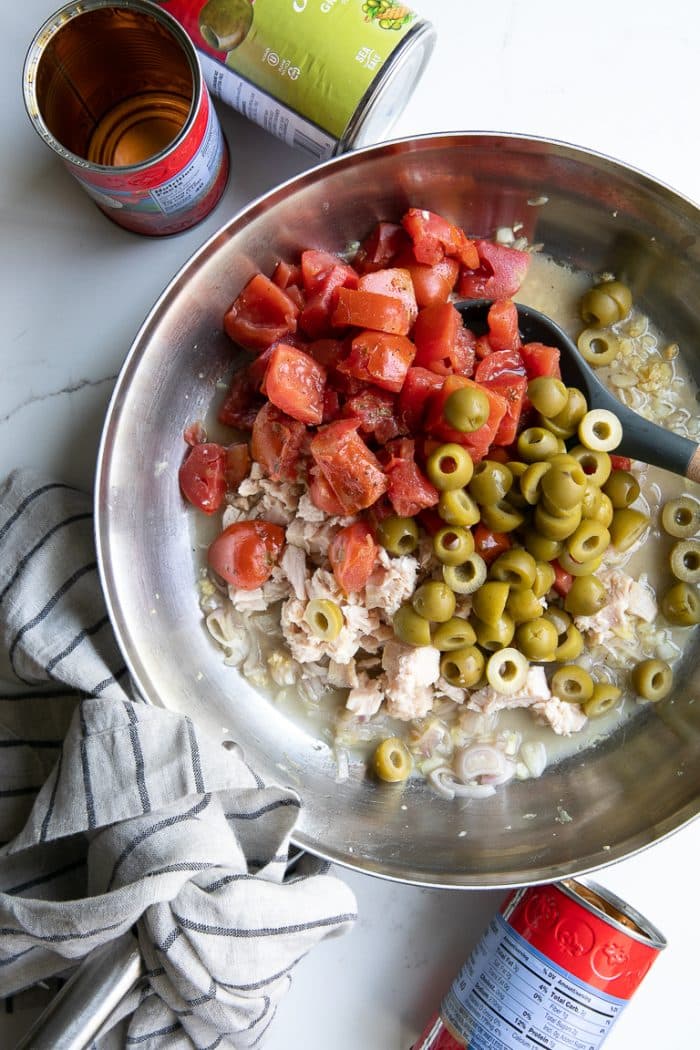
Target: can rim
48, 31
643, 931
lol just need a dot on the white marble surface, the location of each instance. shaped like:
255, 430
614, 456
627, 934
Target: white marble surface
619, 77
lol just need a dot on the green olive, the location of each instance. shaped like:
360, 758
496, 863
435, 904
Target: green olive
557, 527
467, 409
604, 697
449, 467
572, 684
491, 482
685, 560
621, 488
544, 579
516, 567
600, 430
434, 601
681, 606
596, 465
652, 679
501, 516
411, 628
523, 605
531, 481
606, 304
589, 541
463, 667
563, 489
542, 547
517, 470
392, 761
537, 639
681, 517
570, 645
536, 443
456, 633
398, 535
466, 577
569, 418
506, 671
489, 601
453, 544
598, 348
586, 596
626, 527
595, 504
548, 395
456, 507
579, 568
494, 636
324, 618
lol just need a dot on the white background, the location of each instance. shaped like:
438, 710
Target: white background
618, 77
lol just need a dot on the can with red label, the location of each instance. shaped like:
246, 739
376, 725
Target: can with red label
555, 968
116, 90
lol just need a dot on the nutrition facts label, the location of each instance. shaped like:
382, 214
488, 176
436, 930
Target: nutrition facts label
508, 995
194, 181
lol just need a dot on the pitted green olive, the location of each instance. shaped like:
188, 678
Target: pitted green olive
398, 535
490, 483
449, 467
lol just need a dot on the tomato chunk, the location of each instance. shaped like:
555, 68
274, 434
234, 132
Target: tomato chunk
513, 389
384, 313
379, 358
562, 580
323, 275
395, 282
261, 314
434, 237
322, 495
242, 402
378, 412
490, 544
419, 384
295, 383
379, 247
431, 284
442, 343
352, 554
237, 463
540, 360
620, 462
498, 274
503, 325
246, 553
477, 441
352, 471
202, 476
500, 363
276, 442
409, 489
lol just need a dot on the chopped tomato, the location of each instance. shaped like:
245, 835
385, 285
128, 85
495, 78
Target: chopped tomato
513, 389
242, 402
323, 275
490, 544
482, 347
540, 360
500, 363
195, 434
378, 412
331, 405
431, 521
409, 490
237, 463
620, 462
246, 552
418, 385
295, 383
276, 442
328, 352
395, 282
202, 476
261, 314
317, 266
431, 284
442, 343
352, 471
379, 358
503, 325
562, 579
383, 313
498, 273
285, 275
322, 495
379, 247
476, 441
352, 554
434, 237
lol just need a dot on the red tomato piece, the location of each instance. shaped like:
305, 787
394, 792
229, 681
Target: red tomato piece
620, 462
352, 554
202, 476
246, 553
378, 414
442, 343
418, 385
490, 544
328, 352
499, 363
498, 274
503, 325
331, 405
383, 313
261, 314
295, 383
242, 402
322, 495
431, 521
409, 490
352, 471
478, 441
324, 275
379, 358
540, 360
380, 247
562, 579
395, 282
513, 390
276, 443
317, 266
431, 284
195, 434
286, 274
237, 463
482, 347
434, 237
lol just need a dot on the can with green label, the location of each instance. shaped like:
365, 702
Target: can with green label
323, 75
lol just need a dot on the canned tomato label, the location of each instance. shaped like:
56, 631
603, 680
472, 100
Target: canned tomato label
323, 75
554, 970
116, 90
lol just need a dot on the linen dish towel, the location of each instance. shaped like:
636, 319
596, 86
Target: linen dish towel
115, 814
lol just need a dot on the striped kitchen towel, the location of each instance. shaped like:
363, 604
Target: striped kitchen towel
115, 814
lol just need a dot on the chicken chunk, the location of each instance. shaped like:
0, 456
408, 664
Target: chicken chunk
410, 672
365, 699
628, 599
564, 718
487, 701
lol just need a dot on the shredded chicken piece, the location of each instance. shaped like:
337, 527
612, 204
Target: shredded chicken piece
342, 676
627, 598
391, 583
365, 699
564, 718
535, 690
410, 672
293, 564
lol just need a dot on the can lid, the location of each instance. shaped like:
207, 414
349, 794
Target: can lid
614, 910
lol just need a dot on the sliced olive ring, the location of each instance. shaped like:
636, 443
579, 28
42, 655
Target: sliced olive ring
524, 605
604, 697
590, 541
456, 507
600, 430
453, 544
606, 304
621, 488
456, 633
501, 516
595, 463
586, 596
434, 601
652, 679
570, 645
681, 517
466, 577
410, 627
324, 618
392, 761
398, 535
506, 671
516, 567
685, 560
681, 605
463, 667
494, 636
627, 526
489, 602
572, 684
449, 467
536, 443
490, 483
548, 395
598, 348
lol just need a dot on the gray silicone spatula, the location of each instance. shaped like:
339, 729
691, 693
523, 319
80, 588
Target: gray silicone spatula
641, 439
